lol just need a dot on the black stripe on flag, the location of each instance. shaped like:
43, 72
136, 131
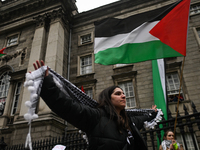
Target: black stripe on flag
112, 26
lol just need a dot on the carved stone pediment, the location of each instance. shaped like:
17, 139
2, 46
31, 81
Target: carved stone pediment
22, 8
45, 19
14, 9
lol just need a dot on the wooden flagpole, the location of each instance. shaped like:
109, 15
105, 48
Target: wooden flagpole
179, 96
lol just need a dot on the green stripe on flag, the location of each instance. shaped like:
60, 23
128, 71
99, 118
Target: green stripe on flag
159, 96
135, 52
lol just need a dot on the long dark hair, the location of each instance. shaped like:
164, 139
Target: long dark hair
104, 100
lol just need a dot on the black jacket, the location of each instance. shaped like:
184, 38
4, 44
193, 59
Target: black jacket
102, 132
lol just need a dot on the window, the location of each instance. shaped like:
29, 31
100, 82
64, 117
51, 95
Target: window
86, 64
85, 39
16, 98
89, 92
4, 86
129, 92
12, 40
173, 84
195, 9
189, 141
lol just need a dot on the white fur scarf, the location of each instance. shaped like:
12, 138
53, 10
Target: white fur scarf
33, 82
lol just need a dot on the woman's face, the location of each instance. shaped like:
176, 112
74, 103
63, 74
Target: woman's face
118, 99
170, 136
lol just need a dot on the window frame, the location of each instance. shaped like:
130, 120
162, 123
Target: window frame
174, 94
6, 72
180, 137
12, 35
92, 89
197, 36
192, 10
3, 98
79, 65
130, 81
183, 90
173, 83
14, 97
124, 77
87, 84
127, 76
85, 34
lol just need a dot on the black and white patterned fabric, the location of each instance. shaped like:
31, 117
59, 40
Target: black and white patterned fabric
76, 93
166, 144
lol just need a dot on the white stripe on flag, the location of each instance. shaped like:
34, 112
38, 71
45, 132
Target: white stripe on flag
161, 68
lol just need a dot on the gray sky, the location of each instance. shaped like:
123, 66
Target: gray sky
85, 5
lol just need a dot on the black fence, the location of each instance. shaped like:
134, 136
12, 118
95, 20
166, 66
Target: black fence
189, 122
75, 141
72, 141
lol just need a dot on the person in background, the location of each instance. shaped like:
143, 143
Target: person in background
176, 98
169, 142
170, 98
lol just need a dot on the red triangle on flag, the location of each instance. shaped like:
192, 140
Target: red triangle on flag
172, 29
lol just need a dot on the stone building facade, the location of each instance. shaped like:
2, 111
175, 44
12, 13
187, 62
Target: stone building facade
54, 31
31, 30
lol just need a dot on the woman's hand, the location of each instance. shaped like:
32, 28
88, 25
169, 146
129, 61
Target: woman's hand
174, 145
154, 107
171, 147
39, 65
173, 141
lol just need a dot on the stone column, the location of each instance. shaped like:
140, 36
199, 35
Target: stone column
55, 43
37, 50
55, 49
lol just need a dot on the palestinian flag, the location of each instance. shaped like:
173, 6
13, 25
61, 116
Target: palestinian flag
155, 34
1, 52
